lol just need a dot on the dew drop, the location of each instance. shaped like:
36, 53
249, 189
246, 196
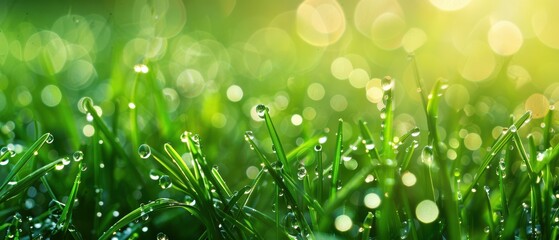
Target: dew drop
84, 103
59, 166
144, 151
165, 182
184, 137
50, 138
301, 173
387, 83
65, 161
513, 128
77, 156
162, 236
250, 135
318, 148
261, 110
291, 224
415, 132
486, 229
153, 175
427, 155
346, 158
4, 162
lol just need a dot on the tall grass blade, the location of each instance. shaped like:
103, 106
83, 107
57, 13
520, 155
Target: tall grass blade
66, 216
280, 152
337, 161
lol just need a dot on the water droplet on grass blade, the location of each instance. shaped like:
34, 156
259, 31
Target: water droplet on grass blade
65, 161
427, 155
153, 175
50, 138
4, 162
162, 236
250, 135
301, 173
387, 83
261, 110
415, 132
77, 156
184, 137
318, 148
165, 182
144, 151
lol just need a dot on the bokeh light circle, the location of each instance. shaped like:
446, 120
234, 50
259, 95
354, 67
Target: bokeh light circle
505, 38
450, 5
538, 104
320, 22
427, 211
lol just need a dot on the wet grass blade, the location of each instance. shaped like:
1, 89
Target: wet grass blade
301, 149
387, 116
111, 138
25, 158
496, 148
337, 161
157, 205
369, 143
280, 152
66, 216
25, 182
367, 225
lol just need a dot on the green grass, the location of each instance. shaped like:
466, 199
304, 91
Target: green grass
302, 193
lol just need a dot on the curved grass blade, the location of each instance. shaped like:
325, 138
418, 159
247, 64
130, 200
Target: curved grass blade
157, 205
66, 216
24, 158
25, 182
337, 161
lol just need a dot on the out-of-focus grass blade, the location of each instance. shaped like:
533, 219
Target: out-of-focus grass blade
496, 148
157, 205
367, 225
309, 144
337, 161
25, 182
24, 158
110, 137
66, 215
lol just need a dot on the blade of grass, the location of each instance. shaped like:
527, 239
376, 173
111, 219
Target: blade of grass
320, 181
367, 225
111, 138
66, 216
301, 149
25, 182
387, 116
337, 161
280, 152
24, 158
496, 148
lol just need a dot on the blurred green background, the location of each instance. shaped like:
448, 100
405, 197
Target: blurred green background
203, 66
